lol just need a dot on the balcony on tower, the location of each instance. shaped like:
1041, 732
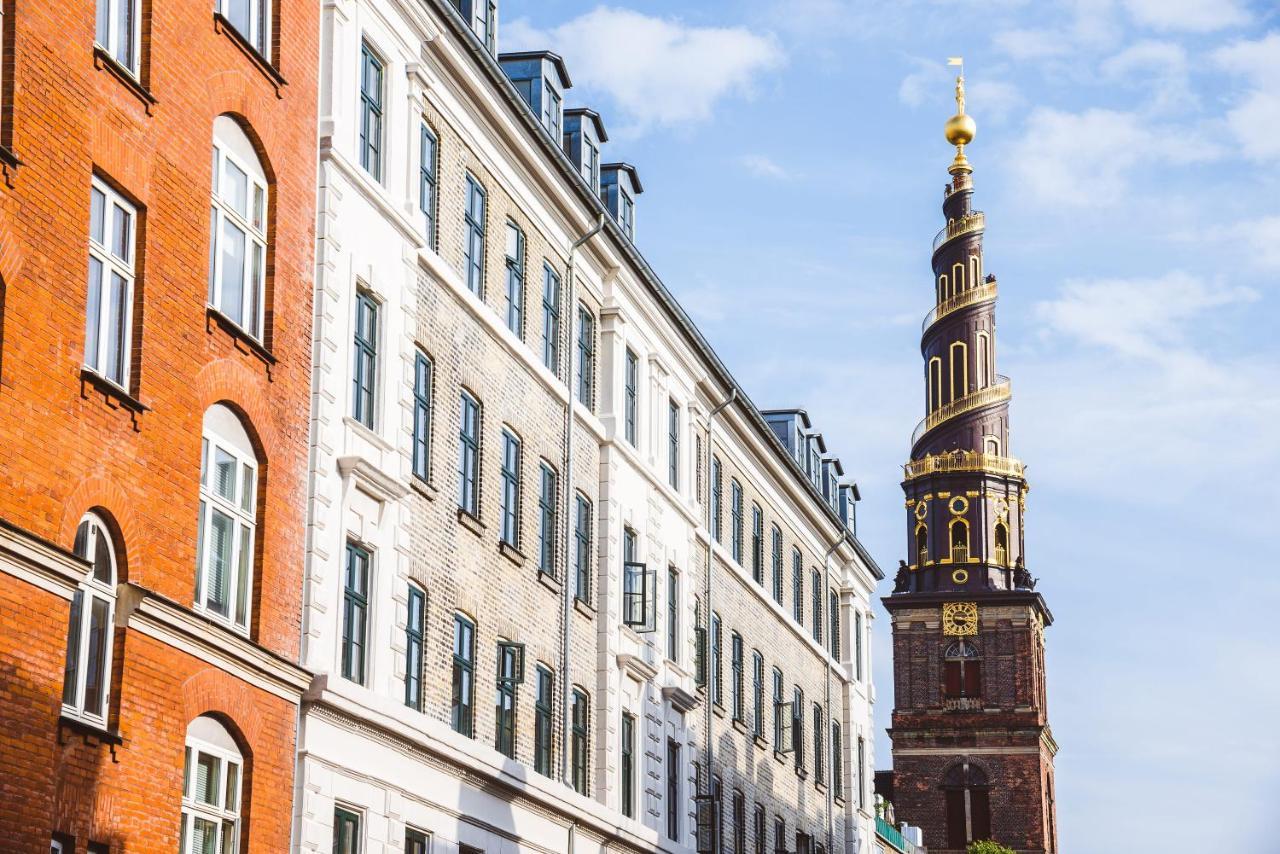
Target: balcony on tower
584, 134
619, 186
541, 79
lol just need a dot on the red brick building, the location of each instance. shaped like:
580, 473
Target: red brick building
156, 262
972, 747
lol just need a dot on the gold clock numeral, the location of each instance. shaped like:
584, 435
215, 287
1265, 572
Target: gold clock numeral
959, 619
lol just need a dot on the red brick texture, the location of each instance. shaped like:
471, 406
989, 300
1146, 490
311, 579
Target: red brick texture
66, 447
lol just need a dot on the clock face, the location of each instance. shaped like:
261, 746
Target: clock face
960, 619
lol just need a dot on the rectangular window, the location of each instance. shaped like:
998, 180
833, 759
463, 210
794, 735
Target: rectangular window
582, 550
515, 279
473, 237
862, 773
833, 616
757, 544
673, 444
815, 593
551, 110
505, 714
578, 751
542, 716
735, 667
346, 831
109, 310
630, 397
735, 519
717, 496
422, 416
697, 465
779, 835
777, 564
591, 165
371, 70
757, 693
781, 716
758, 830
797, 586
118, 31
365, 349
547, 520
819, 756
550, 319
627, 214
509, 511
717, 682
628, 733
739, 823
355, 613
415, 841
469, 456
428, 157
673, 789
586, 357
414, 636
837, 760
797, 727
700, 645
252, 19
857, 643
673, 614
464, 671
639, 588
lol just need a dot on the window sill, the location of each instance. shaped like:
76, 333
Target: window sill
760, 742
550, 582
90, 733
780, 756
115, 396
584, 607
839, 800
717, 709
802, 773
104, 61
511, 553
239, 334
470, 522
740, 725
424, 488
228, 29
9, 164
820, 786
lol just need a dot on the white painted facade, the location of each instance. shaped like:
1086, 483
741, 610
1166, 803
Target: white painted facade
361, 748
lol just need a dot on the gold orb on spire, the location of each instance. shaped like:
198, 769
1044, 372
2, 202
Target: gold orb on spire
960, 128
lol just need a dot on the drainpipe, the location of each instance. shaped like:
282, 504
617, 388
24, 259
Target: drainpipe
826, 736
566, 505
710, 716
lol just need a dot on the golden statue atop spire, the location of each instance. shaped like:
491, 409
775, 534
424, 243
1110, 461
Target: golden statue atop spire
960, 128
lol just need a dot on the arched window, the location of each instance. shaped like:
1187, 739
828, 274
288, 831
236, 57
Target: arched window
237, 228
1002, 544
935, 383
959, 369
922, 544
962, 671
228, 514
943, 291
975, 270
959, 541
984, 360
211, 789
957, 278
968, 804
87, 676
991, 445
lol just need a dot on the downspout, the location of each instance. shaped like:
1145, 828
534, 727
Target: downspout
826, 736
710, 716
566, 504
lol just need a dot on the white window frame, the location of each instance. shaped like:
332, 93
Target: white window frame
222, 816
259, 34
253, 223
111, 264
92, 589
244, 525
111, 43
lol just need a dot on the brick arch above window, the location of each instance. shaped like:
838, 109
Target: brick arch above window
231, 702
105, 498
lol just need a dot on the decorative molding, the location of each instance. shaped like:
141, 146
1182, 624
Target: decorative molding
39, 562
371, 479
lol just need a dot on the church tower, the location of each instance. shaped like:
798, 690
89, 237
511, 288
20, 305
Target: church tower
972, 749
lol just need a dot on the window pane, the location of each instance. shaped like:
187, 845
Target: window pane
117, 308
233, 786
235, 188
224, 467
220, 551
204, 837
124, 33
93, 313
233, 252
95, 666
207, 768
242, 575
71, 672
121, 231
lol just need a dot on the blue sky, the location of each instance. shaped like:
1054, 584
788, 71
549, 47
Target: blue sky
1127, 157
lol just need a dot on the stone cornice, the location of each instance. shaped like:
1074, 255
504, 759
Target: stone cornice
39, 562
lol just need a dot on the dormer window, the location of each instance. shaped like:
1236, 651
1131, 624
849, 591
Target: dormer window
619, 186
482, 17
541, 79
583, 135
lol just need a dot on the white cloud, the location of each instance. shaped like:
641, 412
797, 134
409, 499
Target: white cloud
762, 166
924, 84
1258, 241
658, 71
1193, 16
1256, 116
1085, 159
1143, 318
1160, 65
1032, 43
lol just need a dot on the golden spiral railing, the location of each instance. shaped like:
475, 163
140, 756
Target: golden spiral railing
1002, 390
982, 293
966, 224
963, 461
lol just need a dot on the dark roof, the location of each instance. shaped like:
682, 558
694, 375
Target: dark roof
594, 116
548, 55
625, 167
